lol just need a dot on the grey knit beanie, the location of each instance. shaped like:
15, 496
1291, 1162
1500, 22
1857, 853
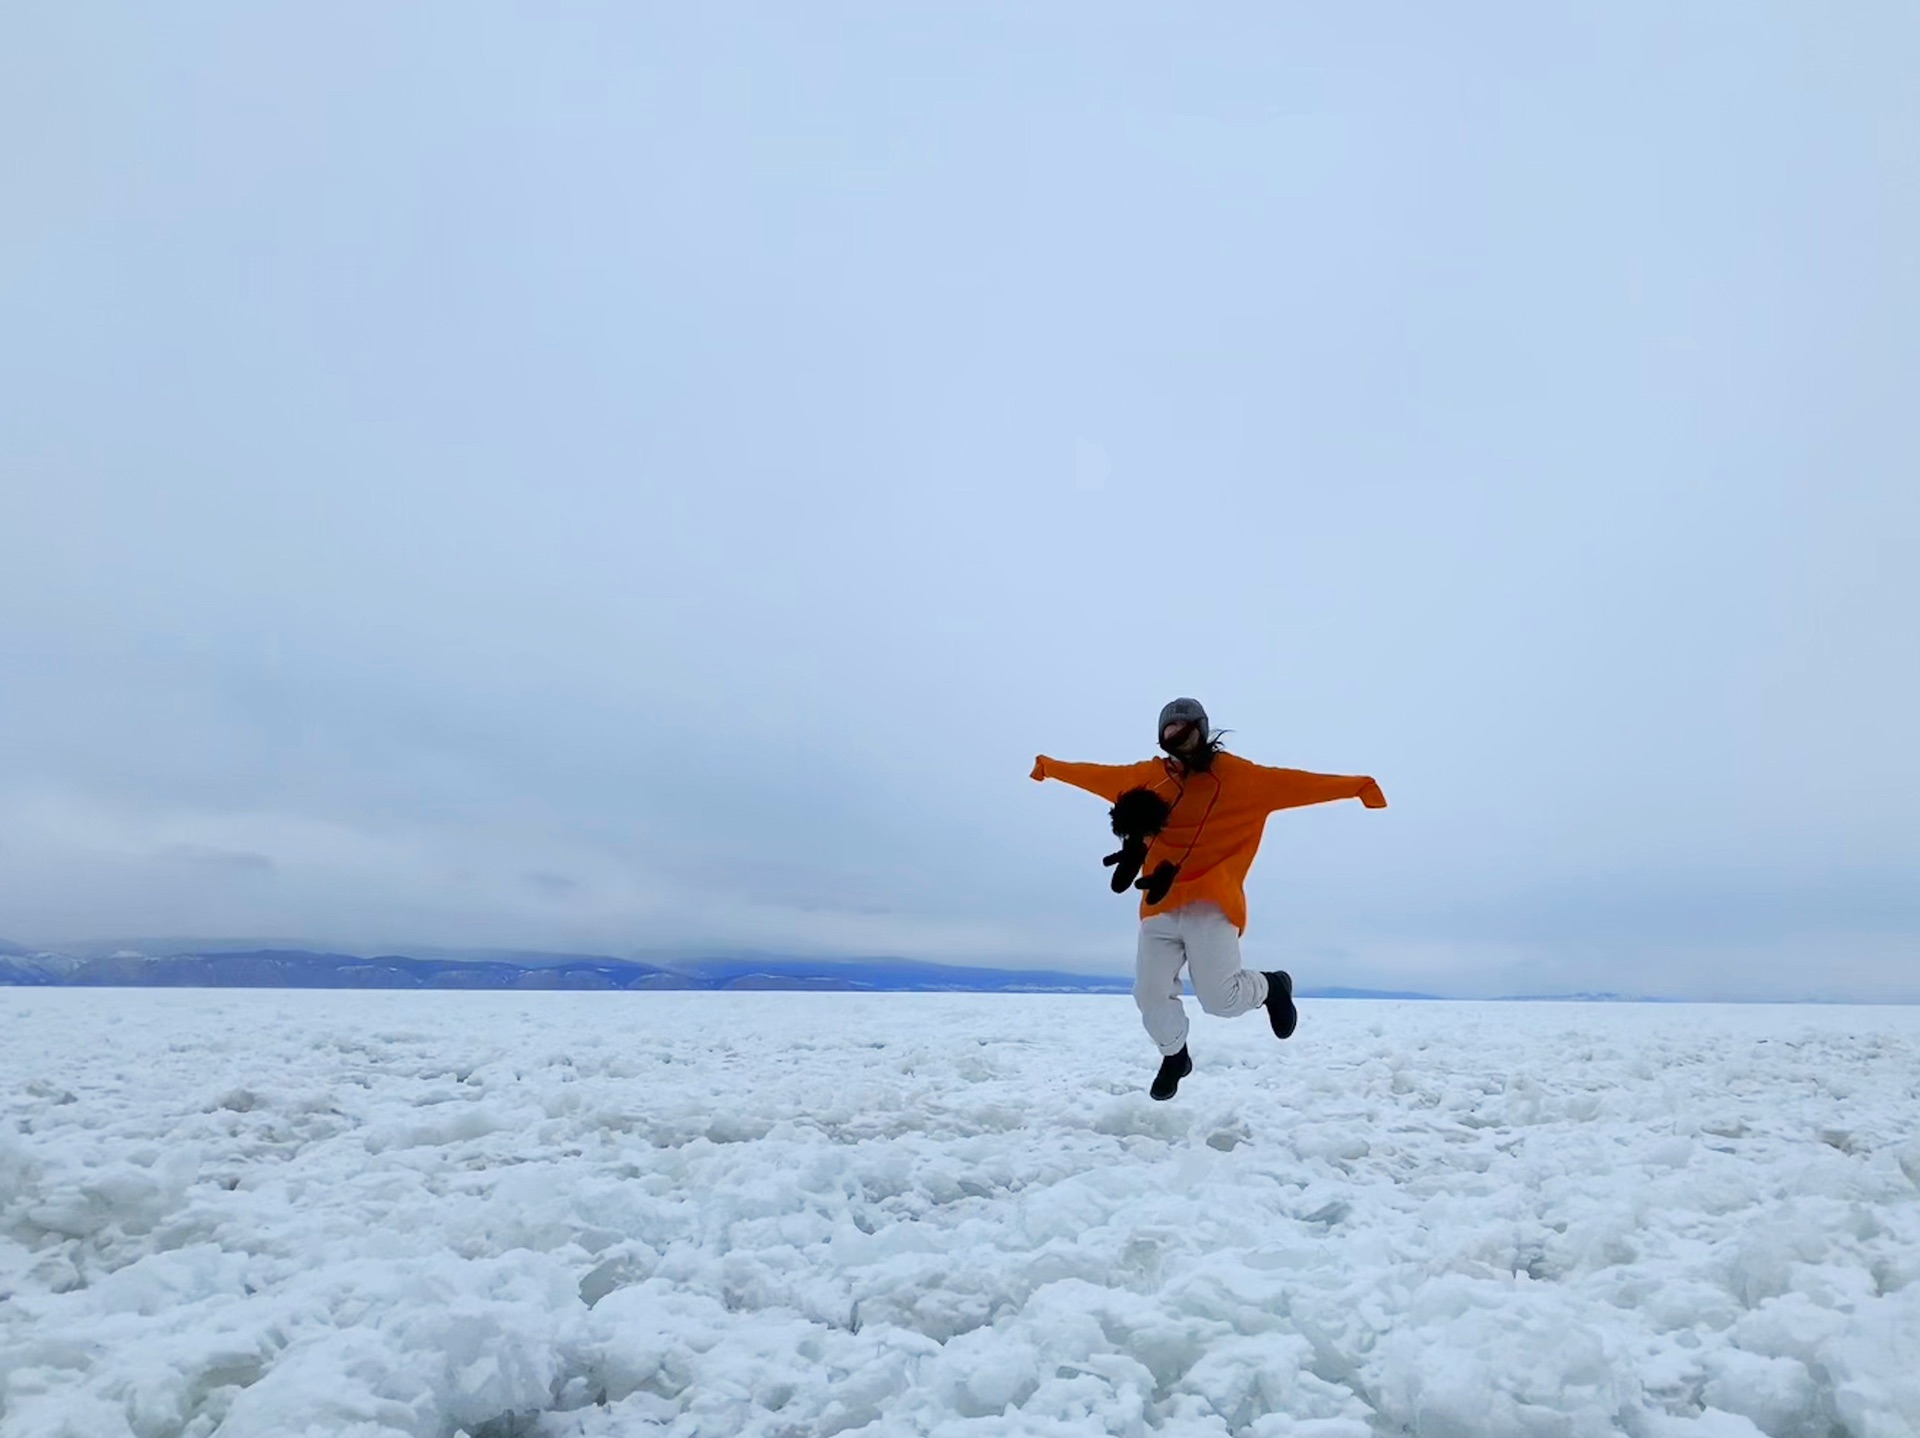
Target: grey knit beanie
1183, 711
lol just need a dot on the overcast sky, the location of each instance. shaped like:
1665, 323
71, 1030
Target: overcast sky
628, 478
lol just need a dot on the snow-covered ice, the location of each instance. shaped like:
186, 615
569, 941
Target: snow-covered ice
383, 1214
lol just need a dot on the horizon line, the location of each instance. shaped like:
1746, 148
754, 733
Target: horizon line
711, 973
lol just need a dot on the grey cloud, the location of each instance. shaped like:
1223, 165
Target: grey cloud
546, 485
1681, 908
552, 886
228, 860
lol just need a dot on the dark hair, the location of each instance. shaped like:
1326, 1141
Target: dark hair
1202, 758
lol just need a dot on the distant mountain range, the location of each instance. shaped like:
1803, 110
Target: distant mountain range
212, 965
291, 968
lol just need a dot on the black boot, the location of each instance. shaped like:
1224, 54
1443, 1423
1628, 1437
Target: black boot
1173, 1068
1280, 1010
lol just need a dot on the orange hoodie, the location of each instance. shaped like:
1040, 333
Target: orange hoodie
1215, 827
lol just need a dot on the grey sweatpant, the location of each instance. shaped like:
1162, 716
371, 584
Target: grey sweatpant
1202, 939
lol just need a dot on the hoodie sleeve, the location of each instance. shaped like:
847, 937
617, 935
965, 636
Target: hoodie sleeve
1296, 788
1109, 781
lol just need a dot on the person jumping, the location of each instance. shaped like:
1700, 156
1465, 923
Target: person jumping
1193, 821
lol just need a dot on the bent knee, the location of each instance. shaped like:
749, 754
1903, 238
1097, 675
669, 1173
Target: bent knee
1225, 1000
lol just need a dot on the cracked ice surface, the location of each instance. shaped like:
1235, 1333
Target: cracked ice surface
374, 1215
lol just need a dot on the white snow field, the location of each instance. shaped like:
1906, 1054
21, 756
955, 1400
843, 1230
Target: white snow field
381, 1214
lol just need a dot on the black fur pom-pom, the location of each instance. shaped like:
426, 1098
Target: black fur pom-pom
1139, 814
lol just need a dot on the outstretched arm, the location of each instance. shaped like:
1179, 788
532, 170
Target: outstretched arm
1295, 788
1109, 781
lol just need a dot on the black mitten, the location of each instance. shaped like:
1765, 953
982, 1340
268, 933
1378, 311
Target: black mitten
1126, 863
1159, 881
